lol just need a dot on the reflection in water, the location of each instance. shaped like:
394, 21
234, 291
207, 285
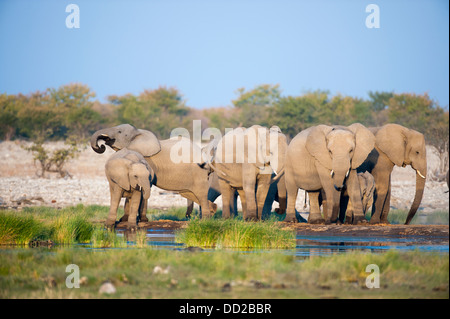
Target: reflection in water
311, 246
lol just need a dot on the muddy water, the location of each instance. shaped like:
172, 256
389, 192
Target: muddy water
319, 245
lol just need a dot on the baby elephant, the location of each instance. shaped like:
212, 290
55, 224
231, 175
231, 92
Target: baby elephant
129, 176
367, 187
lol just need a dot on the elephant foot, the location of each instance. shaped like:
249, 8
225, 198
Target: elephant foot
290, 218
359, 220
110, 224
123, 219
374, 221
143, 219
122, 224
316, 220
250, 218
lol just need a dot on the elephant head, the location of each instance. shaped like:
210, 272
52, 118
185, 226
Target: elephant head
130, 175
367, 185
126, 136
403, 147
340, 149
271, 148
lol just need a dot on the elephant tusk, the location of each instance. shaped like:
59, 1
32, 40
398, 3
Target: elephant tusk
332, 173
420, 174
276, 174
348, 172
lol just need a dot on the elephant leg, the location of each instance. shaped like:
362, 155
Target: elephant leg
314, 208
382, 176
126, 211
345, 209
292, 192
355, 198
226, 191
250, 196
331, 211
135, 201
243, 201
116, 195
387, 205
261, 193
380, 200
190, 208
143, 210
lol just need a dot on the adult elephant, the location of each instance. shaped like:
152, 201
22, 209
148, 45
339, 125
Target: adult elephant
171, 172
325, 158
395, 145
244, 160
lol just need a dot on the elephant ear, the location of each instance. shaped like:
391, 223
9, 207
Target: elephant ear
391, 140
146, 143
117, 171
316, 144
364, 143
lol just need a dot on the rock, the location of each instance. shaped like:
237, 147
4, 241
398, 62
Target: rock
107, 288
160, 270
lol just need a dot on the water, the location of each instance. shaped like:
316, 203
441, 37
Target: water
319, 245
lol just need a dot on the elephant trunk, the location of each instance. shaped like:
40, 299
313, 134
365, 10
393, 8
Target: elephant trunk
146, 189
420, 186
99, 135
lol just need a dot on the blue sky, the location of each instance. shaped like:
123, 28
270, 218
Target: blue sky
209, 49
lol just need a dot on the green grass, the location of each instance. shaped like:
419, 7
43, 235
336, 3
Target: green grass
36, 273
105, 238
20, 230
235, 233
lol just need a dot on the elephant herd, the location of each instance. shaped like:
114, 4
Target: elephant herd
344, 169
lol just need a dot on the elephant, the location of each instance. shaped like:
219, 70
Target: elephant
171, 172
395, 145
244, 160
214, 193
367, 188
129, 176
325, 158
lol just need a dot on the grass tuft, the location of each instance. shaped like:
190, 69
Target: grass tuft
233, 233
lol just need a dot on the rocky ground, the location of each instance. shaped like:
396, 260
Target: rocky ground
19, 185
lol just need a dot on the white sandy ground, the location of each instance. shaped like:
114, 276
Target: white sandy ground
19, 184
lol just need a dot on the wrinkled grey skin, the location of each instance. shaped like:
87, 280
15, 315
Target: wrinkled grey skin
395, 145
129, 176
214, 193
367, 186
251, 174
188, 178
322, 160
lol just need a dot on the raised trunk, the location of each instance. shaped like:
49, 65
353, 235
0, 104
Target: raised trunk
420, 185
99, 135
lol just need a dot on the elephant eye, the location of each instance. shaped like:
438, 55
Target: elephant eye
351, 150
417, 152
120, 132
